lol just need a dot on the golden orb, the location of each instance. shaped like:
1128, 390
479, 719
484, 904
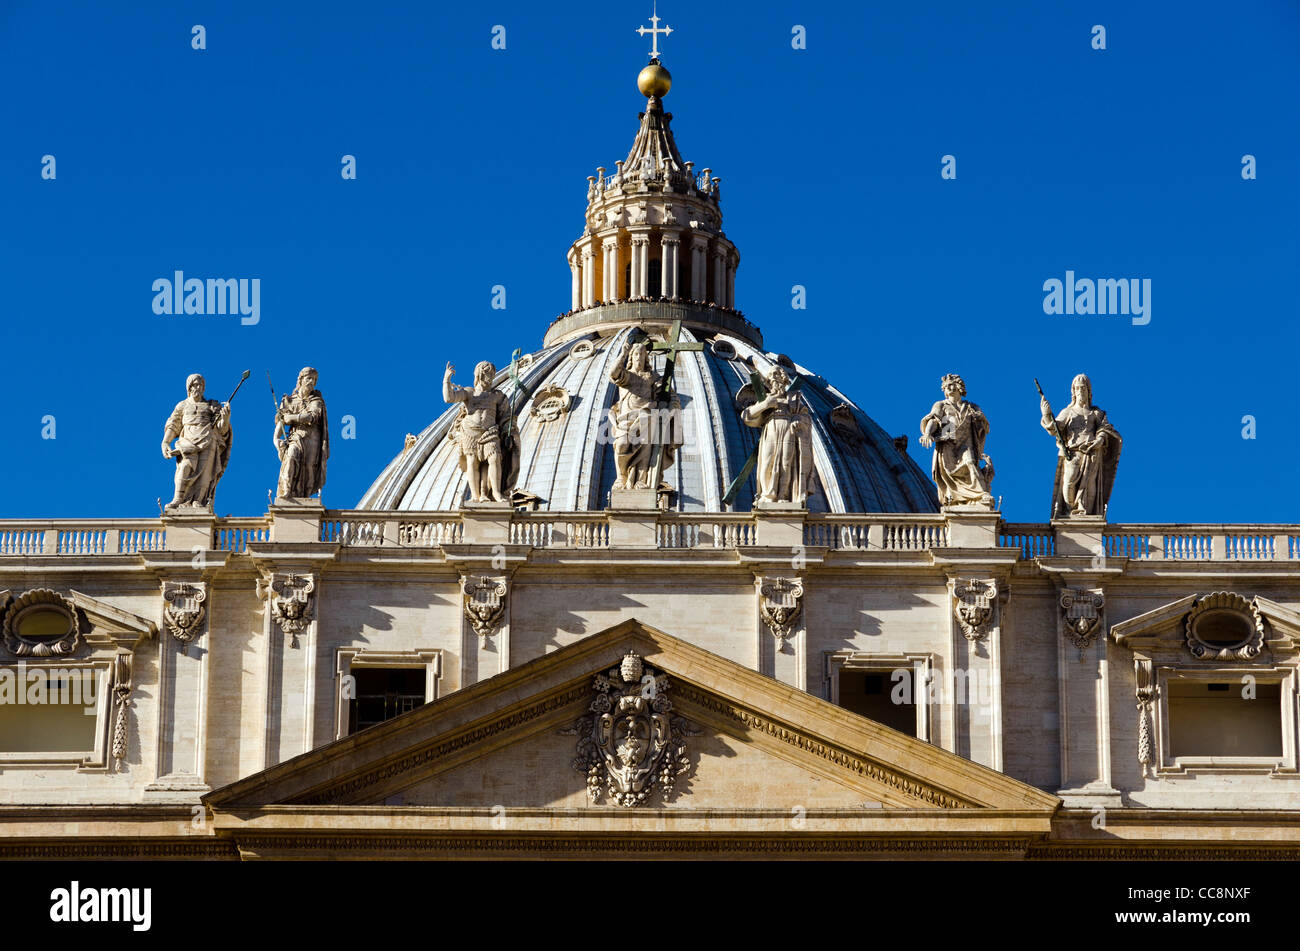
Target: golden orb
654, 80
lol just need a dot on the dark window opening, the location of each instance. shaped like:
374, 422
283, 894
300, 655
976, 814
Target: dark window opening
881, 696
383, 693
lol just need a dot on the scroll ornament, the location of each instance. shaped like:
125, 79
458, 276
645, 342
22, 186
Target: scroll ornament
780, 604
1082, 615
973, 606
291, 603
184, 610
485, 603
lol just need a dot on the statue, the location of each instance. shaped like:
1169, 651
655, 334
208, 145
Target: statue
304, 451
484, 434
957, 429
1088, 453
785, 453
640, 421
201, 428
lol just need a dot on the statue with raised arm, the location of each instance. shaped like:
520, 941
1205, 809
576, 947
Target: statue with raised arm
202, 434
641, 420
484, 434
1088, 453
305, 449
957, 428
785, 453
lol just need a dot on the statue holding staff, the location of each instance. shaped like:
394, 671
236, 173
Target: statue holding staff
1088, 454
202, 434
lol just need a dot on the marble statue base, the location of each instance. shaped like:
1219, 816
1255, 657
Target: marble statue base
633, 500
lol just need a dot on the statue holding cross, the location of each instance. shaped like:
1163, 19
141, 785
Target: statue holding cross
785, 452
647, 418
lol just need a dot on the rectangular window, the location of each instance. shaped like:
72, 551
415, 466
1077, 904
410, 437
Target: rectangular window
1213, 719
881, 696
383, 693
57, 712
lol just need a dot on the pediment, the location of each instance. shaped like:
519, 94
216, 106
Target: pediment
749, 743
111, 624
1166, 629
106, 627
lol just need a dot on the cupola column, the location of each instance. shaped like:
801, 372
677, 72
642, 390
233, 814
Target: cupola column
577, 281
640, 264
731, 280
699, 266
719, 296
609, 247
588, 276
668, 267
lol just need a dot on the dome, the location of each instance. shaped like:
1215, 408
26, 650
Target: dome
567, 458
653, 255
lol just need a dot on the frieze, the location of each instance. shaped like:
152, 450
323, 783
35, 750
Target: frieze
839, 757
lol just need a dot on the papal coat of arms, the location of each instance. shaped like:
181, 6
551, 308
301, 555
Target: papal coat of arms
631, 744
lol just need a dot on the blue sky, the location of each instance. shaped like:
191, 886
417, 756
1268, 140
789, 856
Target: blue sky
472, 164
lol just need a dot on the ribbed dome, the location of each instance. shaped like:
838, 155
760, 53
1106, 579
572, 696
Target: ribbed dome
567, 459
653, 252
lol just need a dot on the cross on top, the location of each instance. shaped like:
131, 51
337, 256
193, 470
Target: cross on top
654, 32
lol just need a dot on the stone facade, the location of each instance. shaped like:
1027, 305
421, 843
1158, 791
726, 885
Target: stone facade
1055, 714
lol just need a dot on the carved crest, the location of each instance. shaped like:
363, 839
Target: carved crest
1082, 617
631, 743
550, 403
41, 623
183, 609
973, 605
780, 604
291, 603
485, 603
1225, 626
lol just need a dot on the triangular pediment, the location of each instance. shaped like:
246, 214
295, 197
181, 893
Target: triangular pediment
749, 742
1166, 629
